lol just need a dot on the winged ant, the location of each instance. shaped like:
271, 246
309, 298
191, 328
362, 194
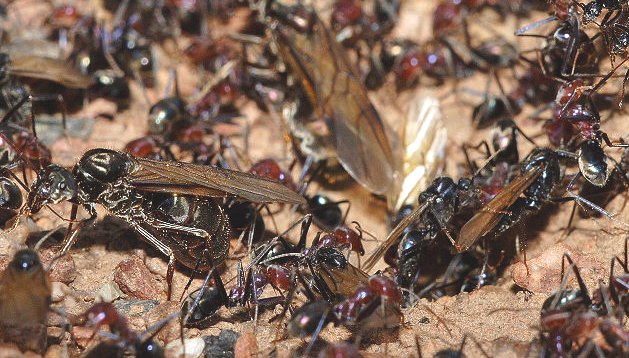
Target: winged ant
141, 192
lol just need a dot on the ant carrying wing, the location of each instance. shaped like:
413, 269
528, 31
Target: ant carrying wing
354, 128
343, 281
51, 70
487, 218
395, 234
203, 180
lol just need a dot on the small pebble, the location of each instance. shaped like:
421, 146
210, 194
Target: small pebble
64, 268
59, 290
222, 345
135, 280
109, 292
193, 348
246, 346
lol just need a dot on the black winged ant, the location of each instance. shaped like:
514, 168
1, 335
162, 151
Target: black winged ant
437, 206
142, 192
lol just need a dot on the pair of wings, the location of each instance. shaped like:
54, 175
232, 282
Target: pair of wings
204, 180
334, 89
478, 226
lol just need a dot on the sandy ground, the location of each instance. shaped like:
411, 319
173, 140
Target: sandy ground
504, 320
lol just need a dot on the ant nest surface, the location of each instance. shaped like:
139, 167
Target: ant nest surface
110, 263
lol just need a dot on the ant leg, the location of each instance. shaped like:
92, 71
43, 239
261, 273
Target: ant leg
171, 270
522, 31
71, 234
568, 228
169, 277
305, 227
583, 201
609, 143
577, 274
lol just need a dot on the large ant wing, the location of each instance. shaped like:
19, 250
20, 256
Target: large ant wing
354, 128
487, 218
51, 70
394, 234
203, 180
343, 281
360, 139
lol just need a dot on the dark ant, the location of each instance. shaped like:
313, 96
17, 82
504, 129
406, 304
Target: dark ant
438, 204
112, 87
10, 199
104, 313
373, 305
327, 213
201, 304
539, 174
141, 192
569, 323
568, 51
584, 117
617, 182
593, 9
132, 52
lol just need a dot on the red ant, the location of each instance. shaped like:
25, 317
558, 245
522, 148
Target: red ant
141, 344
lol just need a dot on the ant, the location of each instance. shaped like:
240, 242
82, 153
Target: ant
148, 194
569, 323
25, 297
593, 9
201, 304
438, 204
140, 344
374, 305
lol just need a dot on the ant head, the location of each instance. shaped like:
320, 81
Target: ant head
26, 261
53, 186
439, 187
591, 11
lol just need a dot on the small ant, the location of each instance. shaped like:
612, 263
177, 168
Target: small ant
140, 344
